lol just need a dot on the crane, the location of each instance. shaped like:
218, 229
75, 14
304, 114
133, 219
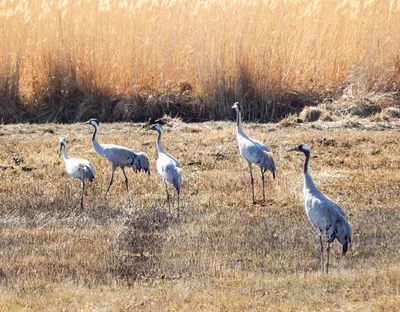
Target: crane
119, 156
77, 168
325, 215
167, 166
253, 151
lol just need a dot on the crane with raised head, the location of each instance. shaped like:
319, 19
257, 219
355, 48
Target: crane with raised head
253, 151
326, 216
168, 167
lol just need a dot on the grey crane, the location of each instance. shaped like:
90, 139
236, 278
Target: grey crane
253, 151
77, 168
326, 216
119, 156
167, 166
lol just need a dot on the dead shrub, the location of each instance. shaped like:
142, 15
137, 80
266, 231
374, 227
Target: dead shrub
360, 108
289, 121
310, 114
380, 117
393, 112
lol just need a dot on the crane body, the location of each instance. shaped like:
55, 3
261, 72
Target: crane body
254, 152
78, 168
168, 167
119, 156
326, 216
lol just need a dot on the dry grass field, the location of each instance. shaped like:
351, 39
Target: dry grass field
117, 60
126, 253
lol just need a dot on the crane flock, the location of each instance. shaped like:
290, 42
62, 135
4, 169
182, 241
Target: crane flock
327, 217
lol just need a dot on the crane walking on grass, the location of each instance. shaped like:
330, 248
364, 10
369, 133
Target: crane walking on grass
77, 168
167, 166
253, 151
119, 156
326, 216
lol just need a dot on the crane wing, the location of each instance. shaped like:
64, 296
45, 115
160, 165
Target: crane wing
167, 168
76, 167
254, 154
141, 162
336, 207
261, 145
174, 160
119, 155
324, 214
89, 170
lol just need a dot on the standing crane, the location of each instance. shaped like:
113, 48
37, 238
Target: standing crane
77, 168
325, 215
167, 166
119, 156
253, 151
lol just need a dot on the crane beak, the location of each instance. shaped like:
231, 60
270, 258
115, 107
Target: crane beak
86, 122
294, 149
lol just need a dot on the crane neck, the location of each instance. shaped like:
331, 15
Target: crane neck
308, 181
159, 146
307, 154
239, 124
95, 133
65, 151
96, 144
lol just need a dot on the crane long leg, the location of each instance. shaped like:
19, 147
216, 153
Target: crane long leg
327, 256
178, 201
166, 189
113, 167
322, 252
252, 183
262, 178
83, 191
126, 180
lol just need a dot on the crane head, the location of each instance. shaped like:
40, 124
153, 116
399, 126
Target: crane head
304, 148
156, 127
94, 122
237, 106
63, 143
159, 121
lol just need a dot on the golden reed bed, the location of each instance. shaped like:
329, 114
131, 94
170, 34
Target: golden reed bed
79, 53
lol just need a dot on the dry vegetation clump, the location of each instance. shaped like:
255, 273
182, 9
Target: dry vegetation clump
290, 121
117, 60
380, 117
310, 114
393, 112
128, 253
361, 109
328, 116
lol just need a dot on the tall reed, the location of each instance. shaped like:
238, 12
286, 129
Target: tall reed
66, 60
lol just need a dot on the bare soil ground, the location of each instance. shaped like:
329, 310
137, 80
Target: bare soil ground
127, 253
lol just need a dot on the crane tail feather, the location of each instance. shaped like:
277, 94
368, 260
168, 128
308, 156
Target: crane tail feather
344, 249
141, 163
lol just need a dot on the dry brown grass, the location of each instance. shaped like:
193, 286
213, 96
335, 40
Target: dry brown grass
121, 60
223, 253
